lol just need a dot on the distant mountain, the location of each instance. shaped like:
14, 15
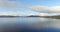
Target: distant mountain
34, 16
54, 16
8, 16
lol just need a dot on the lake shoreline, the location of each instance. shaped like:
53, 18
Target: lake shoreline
53, 17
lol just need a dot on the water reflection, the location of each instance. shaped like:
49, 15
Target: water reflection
29, 24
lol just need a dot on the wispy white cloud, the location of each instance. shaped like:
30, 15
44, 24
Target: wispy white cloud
45, 9
10, 4
50, 14
7, 13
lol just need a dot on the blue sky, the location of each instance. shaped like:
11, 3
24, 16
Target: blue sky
28, 7
41, 2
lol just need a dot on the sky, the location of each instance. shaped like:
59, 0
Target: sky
29, 7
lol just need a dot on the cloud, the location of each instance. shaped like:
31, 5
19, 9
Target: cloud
45, 9
9, 13
13, 5
6, 3
10, 4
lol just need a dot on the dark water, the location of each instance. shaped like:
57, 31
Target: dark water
29, 24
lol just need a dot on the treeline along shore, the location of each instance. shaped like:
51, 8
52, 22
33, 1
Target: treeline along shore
56, 17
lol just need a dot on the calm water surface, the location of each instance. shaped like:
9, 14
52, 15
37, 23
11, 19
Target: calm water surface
29, 24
